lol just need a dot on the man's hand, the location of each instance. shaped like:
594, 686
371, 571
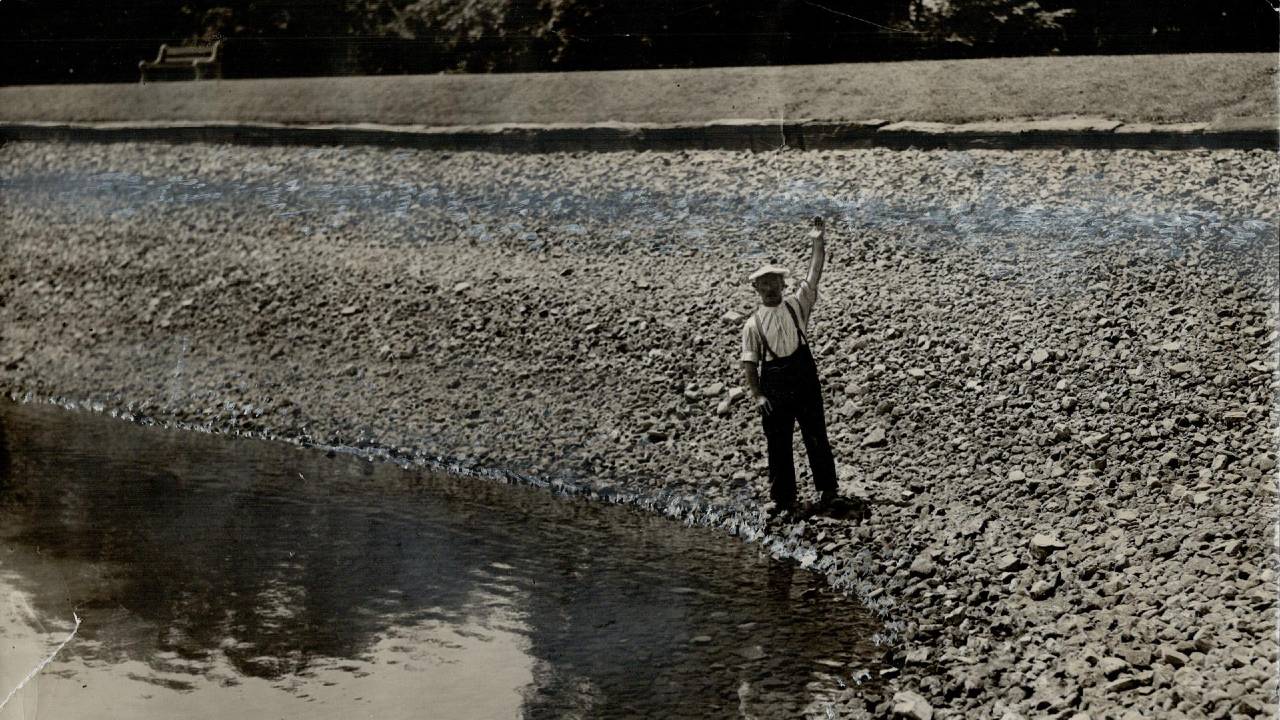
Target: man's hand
764, 404
819, 228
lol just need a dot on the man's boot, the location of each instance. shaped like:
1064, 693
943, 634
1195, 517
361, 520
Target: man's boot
779, 514
828, 498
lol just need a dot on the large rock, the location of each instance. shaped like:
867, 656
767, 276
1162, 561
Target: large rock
923, 566
874, 438
1043, 545
911, 706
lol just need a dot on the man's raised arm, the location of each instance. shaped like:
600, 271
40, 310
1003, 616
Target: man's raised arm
819, 236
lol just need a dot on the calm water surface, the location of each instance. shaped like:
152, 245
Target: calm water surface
232, 578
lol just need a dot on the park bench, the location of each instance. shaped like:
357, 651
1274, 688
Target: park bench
205, 61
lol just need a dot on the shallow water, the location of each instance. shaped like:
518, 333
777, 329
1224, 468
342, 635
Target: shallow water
225, 577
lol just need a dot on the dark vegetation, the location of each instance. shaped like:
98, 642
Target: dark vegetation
103, 40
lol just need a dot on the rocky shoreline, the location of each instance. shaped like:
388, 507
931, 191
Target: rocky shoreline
1052, 373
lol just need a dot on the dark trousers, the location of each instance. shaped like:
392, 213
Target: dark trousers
792, 386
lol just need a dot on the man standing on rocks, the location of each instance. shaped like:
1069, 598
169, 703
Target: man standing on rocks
783, 378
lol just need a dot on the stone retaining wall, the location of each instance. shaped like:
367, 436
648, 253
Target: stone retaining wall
755, 135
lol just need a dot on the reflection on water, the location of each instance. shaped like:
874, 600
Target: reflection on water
224, 577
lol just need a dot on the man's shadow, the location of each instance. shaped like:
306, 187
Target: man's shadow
852, 509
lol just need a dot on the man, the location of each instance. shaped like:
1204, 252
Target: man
785, 385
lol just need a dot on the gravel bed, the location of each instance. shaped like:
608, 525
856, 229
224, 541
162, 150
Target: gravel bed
1051, 373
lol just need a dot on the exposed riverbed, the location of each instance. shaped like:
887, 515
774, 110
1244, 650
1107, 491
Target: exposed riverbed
1051, 372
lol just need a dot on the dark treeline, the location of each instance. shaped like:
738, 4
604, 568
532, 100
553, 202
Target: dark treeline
103, 40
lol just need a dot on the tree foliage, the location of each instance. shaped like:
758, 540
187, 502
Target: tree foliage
998, 27
97, 40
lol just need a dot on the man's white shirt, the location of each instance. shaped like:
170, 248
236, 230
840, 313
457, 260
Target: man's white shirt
776, 323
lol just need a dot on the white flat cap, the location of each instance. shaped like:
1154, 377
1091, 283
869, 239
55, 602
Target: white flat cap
769, 270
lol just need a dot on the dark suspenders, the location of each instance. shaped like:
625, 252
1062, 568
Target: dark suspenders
760, 329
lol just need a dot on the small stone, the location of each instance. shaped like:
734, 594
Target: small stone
1017, 476
1126, 684
724, 407
1250, 706
735, 393
1138, 657
1179, 369
1042, 589
1094, 440
1039, 356
1042, 545
916, 372
1234, 417
923, 566
907, 704
700, 639
733, 317
656, 436
350, 310
973, 526
874, 438
1203, 641
755, 652
713, 389
917, 656
1112, 666
462, 286
1009, 563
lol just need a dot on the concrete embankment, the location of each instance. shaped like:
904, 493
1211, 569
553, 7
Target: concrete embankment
1051, 372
